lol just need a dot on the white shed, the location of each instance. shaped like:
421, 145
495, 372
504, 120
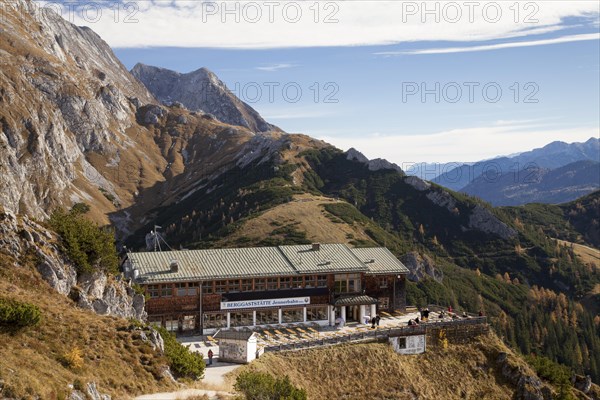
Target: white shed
413, 344
237, 346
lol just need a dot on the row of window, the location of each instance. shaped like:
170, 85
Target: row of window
344, 283
181, 289
264, 317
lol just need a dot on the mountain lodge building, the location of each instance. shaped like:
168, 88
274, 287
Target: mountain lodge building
202, 291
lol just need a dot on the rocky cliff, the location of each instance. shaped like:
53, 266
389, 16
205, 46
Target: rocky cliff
200, 91
22, 239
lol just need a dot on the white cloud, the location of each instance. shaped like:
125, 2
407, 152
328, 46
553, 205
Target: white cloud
468, 144
498, 46
275, 67
277, 24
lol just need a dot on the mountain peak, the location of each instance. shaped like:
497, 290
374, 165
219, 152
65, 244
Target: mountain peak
201, 90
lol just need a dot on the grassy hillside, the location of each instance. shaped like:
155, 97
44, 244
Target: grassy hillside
264, 205
34, 362
375, 371
577, 221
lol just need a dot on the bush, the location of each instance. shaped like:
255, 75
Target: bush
86, 244
16, 315
559, 375
183, 362
261, 386
73, 359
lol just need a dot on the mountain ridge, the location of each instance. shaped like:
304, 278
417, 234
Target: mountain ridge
553, 155
200, 90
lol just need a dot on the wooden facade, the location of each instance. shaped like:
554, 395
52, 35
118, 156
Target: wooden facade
195, 306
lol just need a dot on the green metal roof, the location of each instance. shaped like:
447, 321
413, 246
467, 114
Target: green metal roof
354, 300
379, 260
329, 258
209, 264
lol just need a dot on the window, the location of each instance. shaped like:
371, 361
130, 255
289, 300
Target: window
155, 321
192, 289
172, 325
292, 315
212, 321
285, 282
310, 281
347, 283
207, 287
153, 291
241, 318
402, 343
246, 285
341, 286
220, 286
316, 313
267, 317
321, 280
297, 282
167, 291
260, 284
180, 289
234, 285
383, 282
272, 284
189, 323
384, 303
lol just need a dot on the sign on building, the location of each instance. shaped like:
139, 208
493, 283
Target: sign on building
284, 302
408, 344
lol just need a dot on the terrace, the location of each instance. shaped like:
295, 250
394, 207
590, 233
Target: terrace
304, 336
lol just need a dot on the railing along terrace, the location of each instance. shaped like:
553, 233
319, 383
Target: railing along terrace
377, 334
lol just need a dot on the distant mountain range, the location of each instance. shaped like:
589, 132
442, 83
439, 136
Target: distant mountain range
527, 177
534, 184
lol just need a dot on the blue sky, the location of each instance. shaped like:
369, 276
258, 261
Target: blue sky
361, 81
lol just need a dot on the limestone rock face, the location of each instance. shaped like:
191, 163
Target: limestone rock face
529, 386
373, 165
483, 220
421, 266
200, 90
92, 393
417, 183
480, 218
20, 235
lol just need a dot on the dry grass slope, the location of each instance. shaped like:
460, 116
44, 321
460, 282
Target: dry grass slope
375, 371
306, 214
31, 361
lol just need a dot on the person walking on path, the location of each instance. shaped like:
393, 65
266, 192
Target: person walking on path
377, 319
373, 321
210, 357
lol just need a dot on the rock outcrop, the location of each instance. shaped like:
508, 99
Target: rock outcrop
480, 217
529, 386
91, 393
22, 237
373, 165
421, 266
200, 91
483, 220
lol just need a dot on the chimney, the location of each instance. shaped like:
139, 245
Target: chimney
174, 266
316, 246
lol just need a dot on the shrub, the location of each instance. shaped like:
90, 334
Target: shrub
559, 375
86, 244
16, 315
73, 358
183, 362
261, 386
